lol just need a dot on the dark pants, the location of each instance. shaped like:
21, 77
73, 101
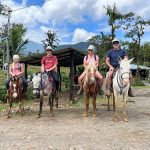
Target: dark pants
55, 76
25, 83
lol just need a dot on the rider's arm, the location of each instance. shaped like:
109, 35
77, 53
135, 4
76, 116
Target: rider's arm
42, 64
97, 61
85, 63
10, 70
108, 62
42, 68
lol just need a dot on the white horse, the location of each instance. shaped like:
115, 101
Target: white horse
43, 84
121, 84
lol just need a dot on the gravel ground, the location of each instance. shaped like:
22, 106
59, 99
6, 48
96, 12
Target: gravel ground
68, 130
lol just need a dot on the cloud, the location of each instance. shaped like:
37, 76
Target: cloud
66, 17
81, 35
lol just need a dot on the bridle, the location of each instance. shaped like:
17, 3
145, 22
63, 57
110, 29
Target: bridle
120, 77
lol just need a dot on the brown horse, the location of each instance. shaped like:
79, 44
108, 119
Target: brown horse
16, 93
90, 87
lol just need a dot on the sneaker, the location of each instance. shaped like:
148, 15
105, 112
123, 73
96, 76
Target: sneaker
108, 92
80, 91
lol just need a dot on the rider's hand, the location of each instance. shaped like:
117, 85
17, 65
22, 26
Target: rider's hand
111, 68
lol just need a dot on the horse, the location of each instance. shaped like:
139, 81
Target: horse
16, 92
121, 84
43, 84
90, 87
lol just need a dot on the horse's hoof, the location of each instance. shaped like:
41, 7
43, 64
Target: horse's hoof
39, 116
115, 119
94, 115
125, 119
108, 108
85, 115
8, 117
51, 115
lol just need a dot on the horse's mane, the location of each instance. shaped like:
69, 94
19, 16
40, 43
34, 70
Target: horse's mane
91, 65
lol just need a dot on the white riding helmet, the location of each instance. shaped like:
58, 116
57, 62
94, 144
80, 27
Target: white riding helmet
91, 47
15, 57
49, 48
115, 40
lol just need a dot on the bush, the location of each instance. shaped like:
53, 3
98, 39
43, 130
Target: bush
138, 82
2, 94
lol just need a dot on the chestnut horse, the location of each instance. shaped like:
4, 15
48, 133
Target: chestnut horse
90, 87
15, 92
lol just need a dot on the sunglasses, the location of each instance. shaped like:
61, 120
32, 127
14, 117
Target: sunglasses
49, 50
90, 50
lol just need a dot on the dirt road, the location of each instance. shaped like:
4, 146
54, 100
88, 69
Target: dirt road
68, 130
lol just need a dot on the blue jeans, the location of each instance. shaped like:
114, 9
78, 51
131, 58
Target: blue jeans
55, 76
25, 83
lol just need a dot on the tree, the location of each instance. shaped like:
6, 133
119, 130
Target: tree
17, 43
103, 44
115, 17
51, 39
134, 27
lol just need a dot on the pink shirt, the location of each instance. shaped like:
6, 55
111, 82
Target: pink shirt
16, 68
90, 59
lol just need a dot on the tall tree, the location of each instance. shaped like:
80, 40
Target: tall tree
51, 39
115, 17
134, 28
17, 42
103, 43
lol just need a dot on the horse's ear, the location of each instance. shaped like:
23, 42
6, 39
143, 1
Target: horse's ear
39, 74
120, 59
33, 74
130, 60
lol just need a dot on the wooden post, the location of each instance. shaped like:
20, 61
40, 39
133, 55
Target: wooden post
26, 71
71, 76
59, 77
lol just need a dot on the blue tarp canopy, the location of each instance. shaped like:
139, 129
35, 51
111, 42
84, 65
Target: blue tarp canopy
134, 67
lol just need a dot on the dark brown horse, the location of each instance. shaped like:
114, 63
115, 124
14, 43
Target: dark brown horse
16, 94
90, 87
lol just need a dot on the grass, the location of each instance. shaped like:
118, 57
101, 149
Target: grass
4, 107
141, 87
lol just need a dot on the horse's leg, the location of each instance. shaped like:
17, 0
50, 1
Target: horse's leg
10, 107
22, 107
41, 104
51, 100
86, 99
124, 107
94, 106
56, 100
116, 106
113, 97
108, 105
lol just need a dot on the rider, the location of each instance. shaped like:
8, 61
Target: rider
49, 64
112, 60
90, 58
17, 68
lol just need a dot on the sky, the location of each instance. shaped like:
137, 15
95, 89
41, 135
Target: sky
73, 20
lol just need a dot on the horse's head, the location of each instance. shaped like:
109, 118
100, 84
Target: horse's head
15, 83
90, 73
124, 69
36, 80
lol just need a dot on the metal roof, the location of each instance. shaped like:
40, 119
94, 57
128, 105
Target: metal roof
63, 55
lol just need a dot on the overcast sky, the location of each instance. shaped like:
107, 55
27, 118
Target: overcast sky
73, 20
